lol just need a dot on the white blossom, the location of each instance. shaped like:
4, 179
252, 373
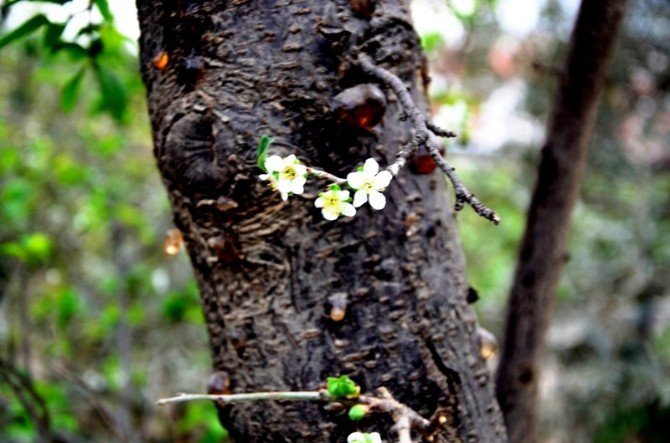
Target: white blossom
359, 437
334, 203
286, 175
370, 183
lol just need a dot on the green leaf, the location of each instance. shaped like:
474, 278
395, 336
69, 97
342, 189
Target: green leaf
53, 33
263, 146
13, 249
37, 245
32, 249
70, 91
103, 7
92, 28
74, 50
342, 387
67, 306
176, 306
431, 41
357, 412
27, 28
113, 93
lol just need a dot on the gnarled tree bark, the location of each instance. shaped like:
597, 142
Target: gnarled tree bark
269, 270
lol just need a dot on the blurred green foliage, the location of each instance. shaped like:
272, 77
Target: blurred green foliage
86, 292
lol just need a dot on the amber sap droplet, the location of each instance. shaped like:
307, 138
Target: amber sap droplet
338, 306
362, 105
160, 62
337, 314
174, 241
422, 163
363, 7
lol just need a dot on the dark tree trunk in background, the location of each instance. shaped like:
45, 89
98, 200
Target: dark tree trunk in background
542, 253
268, 270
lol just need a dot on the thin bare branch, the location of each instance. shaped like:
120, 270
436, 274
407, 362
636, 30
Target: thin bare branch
432, 127
326, 175
253, 396
33, 403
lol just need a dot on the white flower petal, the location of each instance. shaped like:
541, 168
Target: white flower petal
382, 180
284, 185
356, 437
297, 188
356, 179
360, 197
319, 202
274, 163
377, 200
371, 167
375, 437
290, 160
301, 170
342, 195
330, 214
299, 181
348, 209
265, 177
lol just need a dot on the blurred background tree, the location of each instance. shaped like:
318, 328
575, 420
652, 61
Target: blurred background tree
96, 321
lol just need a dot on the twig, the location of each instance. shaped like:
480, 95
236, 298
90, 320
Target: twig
91, 395
405, 417
326, 175
463, 195
254, 396
439, 131
33, 403
426, 134
403, 428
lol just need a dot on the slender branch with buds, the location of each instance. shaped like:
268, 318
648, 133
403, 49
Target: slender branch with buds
426, 134
405, 418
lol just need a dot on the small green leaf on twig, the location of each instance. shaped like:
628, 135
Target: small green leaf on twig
263, 146
342, 387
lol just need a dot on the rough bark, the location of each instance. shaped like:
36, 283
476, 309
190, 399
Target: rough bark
542, 252
268, 270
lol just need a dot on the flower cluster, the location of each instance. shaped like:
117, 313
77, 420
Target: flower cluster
288, 176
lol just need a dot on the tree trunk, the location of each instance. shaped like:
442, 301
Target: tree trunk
542, 252
270, 271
